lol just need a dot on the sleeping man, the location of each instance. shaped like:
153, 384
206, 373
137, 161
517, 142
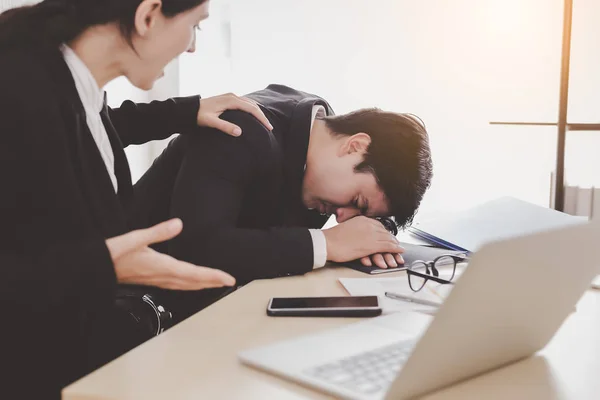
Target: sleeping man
254, 205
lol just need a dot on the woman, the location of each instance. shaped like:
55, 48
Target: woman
66, 182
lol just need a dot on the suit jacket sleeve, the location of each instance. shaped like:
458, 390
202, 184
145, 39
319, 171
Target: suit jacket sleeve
45, 260
215, 173
42, 282
141, 123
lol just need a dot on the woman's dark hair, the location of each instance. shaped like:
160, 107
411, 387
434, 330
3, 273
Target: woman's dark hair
53, 22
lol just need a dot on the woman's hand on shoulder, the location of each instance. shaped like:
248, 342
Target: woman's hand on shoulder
211, 109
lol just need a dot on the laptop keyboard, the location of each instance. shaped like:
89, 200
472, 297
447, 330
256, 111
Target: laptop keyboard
368, 372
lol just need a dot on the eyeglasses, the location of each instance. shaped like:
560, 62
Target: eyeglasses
440, 270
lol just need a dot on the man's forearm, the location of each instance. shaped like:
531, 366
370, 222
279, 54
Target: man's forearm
248, 254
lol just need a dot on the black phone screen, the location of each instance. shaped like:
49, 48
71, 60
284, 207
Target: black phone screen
324, 302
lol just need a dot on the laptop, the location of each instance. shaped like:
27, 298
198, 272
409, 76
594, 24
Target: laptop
507, 305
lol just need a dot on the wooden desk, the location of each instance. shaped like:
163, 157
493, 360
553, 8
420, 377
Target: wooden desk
198, 358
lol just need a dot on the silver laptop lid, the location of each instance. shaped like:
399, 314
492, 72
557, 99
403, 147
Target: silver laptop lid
507, 305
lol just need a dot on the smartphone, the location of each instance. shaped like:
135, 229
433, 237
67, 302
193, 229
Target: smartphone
342, 306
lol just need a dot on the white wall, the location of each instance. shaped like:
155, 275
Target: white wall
458, 64
6, 4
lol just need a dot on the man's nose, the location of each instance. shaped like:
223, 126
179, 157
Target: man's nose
346, 213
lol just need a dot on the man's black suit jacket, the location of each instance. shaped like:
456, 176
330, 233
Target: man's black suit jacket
240, 198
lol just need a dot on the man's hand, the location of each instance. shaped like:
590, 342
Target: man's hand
136, 263
211, 109
383, 260
360, 237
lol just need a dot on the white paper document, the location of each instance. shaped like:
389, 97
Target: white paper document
378, 286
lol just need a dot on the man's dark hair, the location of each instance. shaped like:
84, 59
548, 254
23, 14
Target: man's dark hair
399, 156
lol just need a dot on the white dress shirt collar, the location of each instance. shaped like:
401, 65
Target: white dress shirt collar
86, 84
92, 99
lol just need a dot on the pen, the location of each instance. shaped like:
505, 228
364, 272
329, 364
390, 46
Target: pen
397, 296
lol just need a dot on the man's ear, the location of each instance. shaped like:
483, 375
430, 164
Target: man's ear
147, 15
357, 143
